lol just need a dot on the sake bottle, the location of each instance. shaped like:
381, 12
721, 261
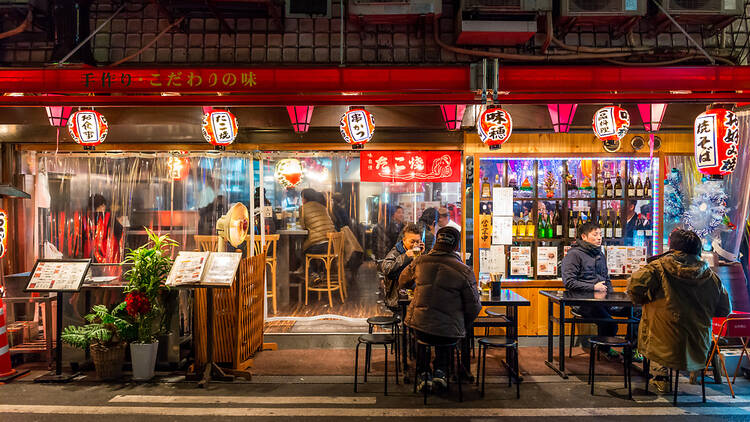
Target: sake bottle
647, 188
610, 191
486, 189
618, 187
558, 225
571, 226
631, 187
541, 230
618, 227
639, 188
530, 227
649, 226
600, 186
607, 227
515, 226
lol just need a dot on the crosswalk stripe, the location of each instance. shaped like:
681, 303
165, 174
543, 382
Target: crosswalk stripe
667, 398
242, 399
363, 412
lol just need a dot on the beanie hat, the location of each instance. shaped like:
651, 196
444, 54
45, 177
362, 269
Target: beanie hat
447, 239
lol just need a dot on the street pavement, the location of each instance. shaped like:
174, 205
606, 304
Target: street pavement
325, 398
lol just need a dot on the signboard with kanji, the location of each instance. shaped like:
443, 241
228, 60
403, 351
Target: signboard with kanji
716, 142
410, 166
611, 123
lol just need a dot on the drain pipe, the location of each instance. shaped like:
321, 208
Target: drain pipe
341, 41
91, 35
674, 22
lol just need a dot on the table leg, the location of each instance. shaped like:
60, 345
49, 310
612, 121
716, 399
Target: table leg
512, 333
282, 271
560, 370
550, 327
562, 338
405, 343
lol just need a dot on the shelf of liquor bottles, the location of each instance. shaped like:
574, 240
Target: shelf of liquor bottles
553, 198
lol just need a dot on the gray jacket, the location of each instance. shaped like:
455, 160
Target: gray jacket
391, 268
583, 267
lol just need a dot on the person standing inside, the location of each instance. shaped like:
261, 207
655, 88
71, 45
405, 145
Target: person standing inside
428, 225
584, 269
403, 253
395, 226
444, 219
680, 295
446, 301
315, 219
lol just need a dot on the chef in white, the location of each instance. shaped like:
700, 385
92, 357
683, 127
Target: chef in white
444, 219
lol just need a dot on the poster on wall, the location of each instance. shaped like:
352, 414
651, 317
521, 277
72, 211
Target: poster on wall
546, 260
52, 275
485, 231
502, 230
410, 166
520, 260
492, 260
502, 201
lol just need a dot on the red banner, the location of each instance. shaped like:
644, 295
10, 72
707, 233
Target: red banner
410, 166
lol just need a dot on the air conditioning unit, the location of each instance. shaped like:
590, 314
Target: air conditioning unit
393, 11
602, 8
499, 22
720, 13
307, 8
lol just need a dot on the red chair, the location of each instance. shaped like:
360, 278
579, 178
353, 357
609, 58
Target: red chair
736, 325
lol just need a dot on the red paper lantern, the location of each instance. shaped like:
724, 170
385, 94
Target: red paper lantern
219, 128
288, 172
88, 128
300, 117
357, 127
494, 126
453, 115
562, 116
717, 135
611, 123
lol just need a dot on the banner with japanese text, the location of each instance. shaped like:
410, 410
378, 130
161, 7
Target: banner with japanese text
410, 166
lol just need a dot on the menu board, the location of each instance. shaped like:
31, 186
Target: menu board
221, 268
55, 275
502, 201
520, 260
502, 230
492, 260
546, 260
197, 269
625, 259
187, 268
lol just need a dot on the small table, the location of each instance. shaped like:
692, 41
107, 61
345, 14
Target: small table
286, 239
508, 298
568, 298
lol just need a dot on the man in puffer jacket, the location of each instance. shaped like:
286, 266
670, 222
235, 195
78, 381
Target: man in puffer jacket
446, 301
402, 254
680, 297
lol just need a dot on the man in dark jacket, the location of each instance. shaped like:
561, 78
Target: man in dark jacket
427, 224
584, 269
446, 301
397, 259
680, 296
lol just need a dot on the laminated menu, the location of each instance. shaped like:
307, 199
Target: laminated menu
58, 275
546, 260
623, 260
520, 260
215, 269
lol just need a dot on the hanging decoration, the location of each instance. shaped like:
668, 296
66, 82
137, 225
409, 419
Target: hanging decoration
526, 185
707, 211
219, 128
3, 232
652, 115
288, 172
300, 117
494, 127
610, 125
562, 116
453, 115
673, 197
550, 183
357, 127
716, 142
88, 128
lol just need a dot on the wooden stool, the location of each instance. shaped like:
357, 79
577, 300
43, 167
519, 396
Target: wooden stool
369, 340
334, 253
596, 343
206, 243
269, 247
504, 342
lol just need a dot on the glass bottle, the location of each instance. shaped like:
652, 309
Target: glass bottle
649, 226
530, 227
521, 226
609, 189
631, 187
486, 189
618, 186
618, 226
600, 186
639, 188
558, 225
647, 188
571, 225
515, 226
607, 227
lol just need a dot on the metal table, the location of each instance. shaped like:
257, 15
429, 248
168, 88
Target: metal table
568, 298
286, 240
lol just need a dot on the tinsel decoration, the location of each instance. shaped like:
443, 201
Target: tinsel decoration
673, 196
550, 184
707, 210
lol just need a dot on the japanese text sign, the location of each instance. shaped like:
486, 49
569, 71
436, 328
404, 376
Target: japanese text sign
611, 123
88, 128
219, 127
410, 166
494, 127
357, 127
716, 142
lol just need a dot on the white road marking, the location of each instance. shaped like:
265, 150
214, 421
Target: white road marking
242, 399
362, 412
667, 398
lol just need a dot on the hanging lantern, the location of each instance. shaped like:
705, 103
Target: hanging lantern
207, 109
300, 117
652, 116
611, 123
58, 115
494, 126
453, 115
3, 232
562, 116
177, 167
357, 127
288, 172
87, 128
219, 128
716, 140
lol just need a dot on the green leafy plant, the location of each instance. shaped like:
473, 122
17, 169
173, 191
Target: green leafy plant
146, 292
104, 327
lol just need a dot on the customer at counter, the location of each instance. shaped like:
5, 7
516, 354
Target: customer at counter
428, 226
315, 219
409, 247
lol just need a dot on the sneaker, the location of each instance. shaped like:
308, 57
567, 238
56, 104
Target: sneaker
637, 356
659, 384
439, 381
424, 381
612, 355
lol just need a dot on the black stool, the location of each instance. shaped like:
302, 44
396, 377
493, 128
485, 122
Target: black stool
508, 344
369, 340
576, 315
647, 370
596, 343
384, 321
424, 351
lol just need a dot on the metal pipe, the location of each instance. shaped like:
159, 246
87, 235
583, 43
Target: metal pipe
709, 57
91, 35
342, 23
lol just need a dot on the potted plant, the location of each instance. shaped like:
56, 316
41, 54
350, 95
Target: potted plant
145, 300
103, 335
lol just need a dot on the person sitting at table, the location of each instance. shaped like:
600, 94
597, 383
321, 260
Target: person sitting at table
402, 254
680, 295
584, 269
315, 219
446, 301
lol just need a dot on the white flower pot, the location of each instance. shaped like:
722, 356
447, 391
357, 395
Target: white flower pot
143, 356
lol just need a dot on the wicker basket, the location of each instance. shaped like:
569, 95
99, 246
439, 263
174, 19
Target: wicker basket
108, 360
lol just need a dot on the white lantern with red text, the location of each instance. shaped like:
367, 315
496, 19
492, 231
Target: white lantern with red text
288, 172
494, 127
357, 127
219, 128
716, 142
611, 123
88, 128
3, 232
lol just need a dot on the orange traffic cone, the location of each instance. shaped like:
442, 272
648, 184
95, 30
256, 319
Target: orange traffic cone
7, 372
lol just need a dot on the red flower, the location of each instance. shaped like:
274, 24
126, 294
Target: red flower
137, 304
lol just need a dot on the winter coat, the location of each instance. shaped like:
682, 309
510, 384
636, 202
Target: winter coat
583, 267
680, 296
391, 268
317, 222
446, 298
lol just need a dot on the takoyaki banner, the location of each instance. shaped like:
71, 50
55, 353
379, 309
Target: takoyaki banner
410, 166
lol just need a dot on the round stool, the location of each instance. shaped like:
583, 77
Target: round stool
509, 345
424, 352
384, 321
596, 343
368, 340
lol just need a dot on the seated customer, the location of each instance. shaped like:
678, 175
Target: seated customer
446, 301
584, 269
397, 259
315, 219
427, 224
680, 296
